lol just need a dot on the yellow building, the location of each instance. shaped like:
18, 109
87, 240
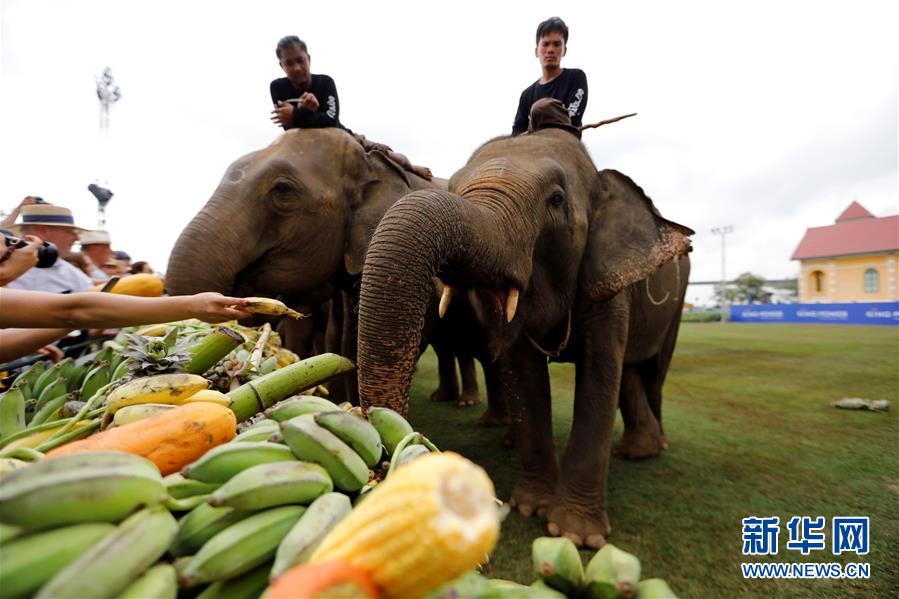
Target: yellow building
856, 259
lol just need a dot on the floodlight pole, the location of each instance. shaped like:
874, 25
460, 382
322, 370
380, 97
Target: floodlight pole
723, 231
108, 93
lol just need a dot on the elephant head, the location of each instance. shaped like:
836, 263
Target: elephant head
529, 229
287, 218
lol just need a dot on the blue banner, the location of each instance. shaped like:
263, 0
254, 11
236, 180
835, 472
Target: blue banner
874, 313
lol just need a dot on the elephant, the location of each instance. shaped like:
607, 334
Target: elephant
558, 260
294, 220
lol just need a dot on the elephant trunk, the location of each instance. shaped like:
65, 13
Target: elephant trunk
203, 259
420, 235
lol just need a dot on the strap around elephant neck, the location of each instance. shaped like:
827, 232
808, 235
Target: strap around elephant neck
558, 351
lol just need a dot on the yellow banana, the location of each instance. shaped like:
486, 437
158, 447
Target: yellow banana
264, 305
210, 395
130, 414
156, 330
160, 389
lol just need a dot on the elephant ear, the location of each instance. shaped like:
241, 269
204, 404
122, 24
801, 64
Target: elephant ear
381, 183
628, 238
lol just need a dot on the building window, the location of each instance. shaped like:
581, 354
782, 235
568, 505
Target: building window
818, 281
872, 281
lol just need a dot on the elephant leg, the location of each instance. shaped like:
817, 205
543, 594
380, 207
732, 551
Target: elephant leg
342, 328
642, 436
579, 507
497, 412
448, 385
471, 396
656, 381
524, 376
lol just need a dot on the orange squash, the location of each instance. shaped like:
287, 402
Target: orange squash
325, 580
171, 440
142, 284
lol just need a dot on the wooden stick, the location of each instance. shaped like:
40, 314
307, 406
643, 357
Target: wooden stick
607, 121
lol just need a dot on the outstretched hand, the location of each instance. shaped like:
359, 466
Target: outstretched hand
215, 307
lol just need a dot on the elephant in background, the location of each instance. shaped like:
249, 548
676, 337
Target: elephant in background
557, 260
294, 220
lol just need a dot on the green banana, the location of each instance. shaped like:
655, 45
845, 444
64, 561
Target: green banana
80, 487
320, 517
242, 546
26, 379
245, 586
186, 504
121, 370
159, 582
611, 572
557, 563
71, 408
269, 485
264, 422
221, 463
12, 412
299, 405
201, 524
94, 380
107, 568
654, 588
179, 487
311, 443
45, 378
391, 426
409, 453
8, 532
50, 410
544, 591
257, 433
66, 367
276, 437
30, 561
76, 376
55, 389
356, 432
136, 412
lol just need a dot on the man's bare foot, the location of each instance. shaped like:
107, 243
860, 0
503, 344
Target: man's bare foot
422, 171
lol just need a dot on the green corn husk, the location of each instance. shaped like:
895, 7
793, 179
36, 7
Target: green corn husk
262, 392
211, 349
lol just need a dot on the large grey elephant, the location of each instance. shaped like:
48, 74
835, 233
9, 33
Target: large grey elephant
295, 219
557, 260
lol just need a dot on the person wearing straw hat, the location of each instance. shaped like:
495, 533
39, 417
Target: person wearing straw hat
95, 244
56, 225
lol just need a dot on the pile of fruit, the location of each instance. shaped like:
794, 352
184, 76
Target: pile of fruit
610, 574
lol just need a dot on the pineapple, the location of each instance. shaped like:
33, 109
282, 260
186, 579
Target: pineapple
153, 355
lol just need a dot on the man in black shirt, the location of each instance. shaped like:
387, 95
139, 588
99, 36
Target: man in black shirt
568, 86
307, 101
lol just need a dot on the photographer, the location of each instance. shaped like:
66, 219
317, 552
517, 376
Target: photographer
53, 224
16, 260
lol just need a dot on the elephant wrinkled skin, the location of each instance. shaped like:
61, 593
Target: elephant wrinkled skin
294, 220
599, 277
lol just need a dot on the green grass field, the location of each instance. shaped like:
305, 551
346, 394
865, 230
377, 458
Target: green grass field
747, 412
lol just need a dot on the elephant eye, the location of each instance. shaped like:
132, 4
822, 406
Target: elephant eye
556, 199
281, 188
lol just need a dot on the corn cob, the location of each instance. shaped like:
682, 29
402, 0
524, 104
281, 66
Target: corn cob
442, 498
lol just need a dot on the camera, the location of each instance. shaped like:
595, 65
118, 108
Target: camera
46, 254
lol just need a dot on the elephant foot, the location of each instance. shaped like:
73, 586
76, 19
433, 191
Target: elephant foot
640, 445
469, 398
531, 497
584, 526
442, 394
492, 419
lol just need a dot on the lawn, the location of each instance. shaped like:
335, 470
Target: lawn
747, 412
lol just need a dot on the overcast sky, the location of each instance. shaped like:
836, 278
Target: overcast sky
771, 116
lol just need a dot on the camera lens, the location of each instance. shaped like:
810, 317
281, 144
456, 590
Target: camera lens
47, 255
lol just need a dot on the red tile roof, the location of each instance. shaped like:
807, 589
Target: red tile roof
854, 211
856, 231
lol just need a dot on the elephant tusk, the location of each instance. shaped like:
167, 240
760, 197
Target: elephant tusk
511, 304
445, 300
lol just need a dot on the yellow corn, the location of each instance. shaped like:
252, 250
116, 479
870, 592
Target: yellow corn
427, 523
